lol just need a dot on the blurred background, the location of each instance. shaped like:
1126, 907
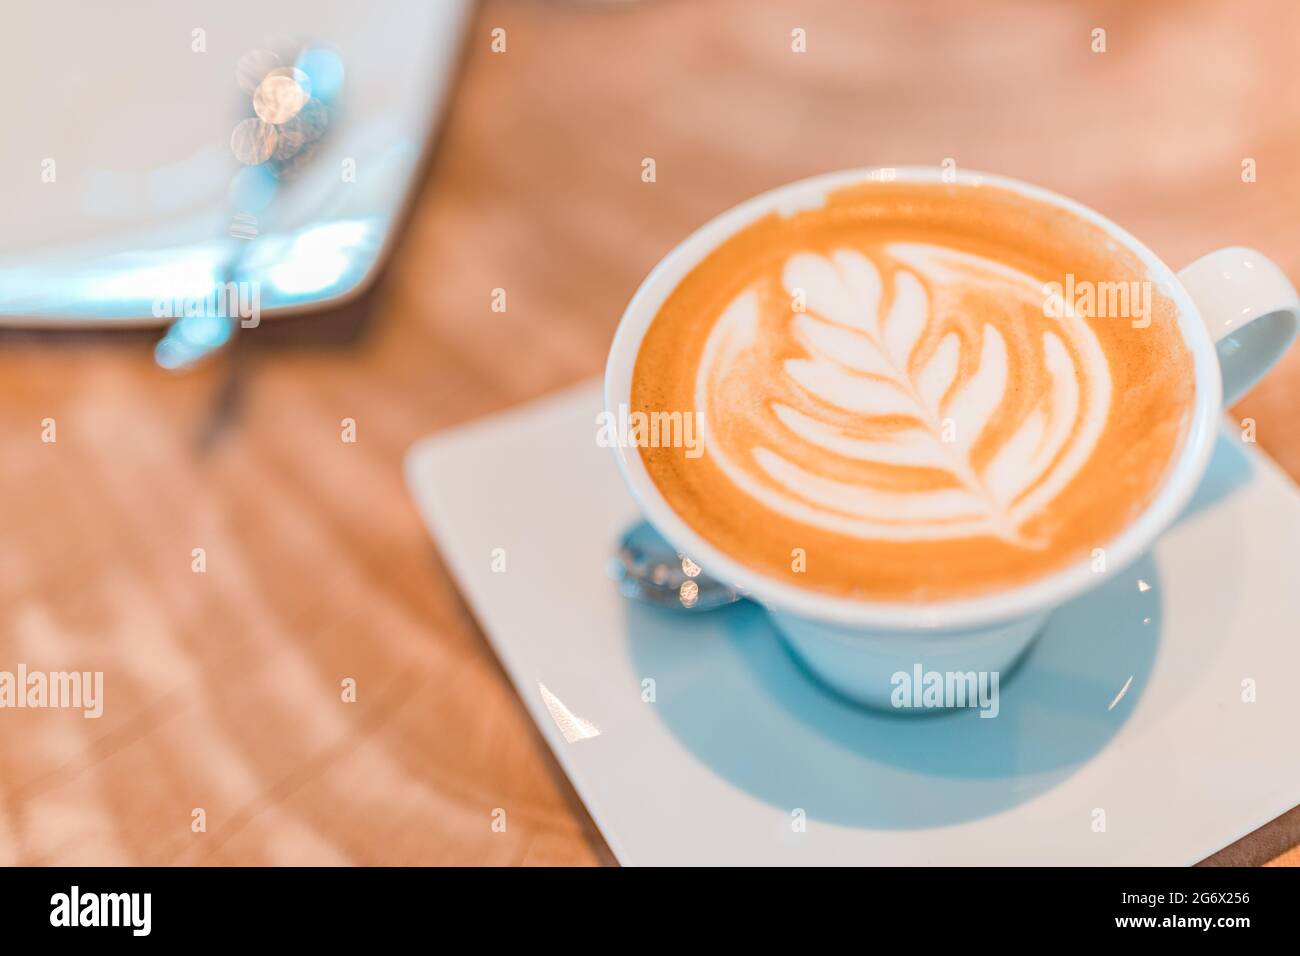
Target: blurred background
222, 688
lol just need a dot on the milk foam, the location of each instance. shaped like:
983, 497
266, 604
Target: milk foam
884, 410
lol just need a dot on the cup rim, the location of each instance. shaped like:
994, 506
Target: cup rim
1041, 593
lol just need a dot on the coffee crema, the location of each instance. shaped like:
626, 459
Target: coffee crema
897, 401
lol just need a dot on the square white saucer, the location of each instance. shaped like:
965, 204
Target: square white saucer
741, 758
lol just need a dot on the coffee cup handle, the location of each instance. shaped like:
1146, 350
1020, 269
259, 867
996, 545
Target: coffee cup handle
1250, 308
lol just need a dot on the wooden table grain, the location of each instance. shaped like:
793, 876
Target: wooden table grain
224, 689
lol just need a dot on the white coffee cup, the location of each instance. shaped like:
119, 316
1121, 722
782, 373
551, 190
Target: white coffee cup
1238, 314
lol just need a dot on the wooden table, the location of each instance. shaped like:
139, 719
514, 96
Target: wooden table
224, 688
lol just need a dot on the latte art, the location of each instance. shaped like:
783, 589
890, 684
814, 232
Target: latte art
881, 410
894, 404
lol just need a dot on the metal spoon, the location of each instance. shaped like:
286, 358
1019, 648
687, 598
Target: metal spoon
293, 144
650, 570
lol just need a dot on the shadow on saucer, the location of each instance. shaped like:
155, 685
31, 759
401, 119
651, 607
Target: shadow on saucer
727, 688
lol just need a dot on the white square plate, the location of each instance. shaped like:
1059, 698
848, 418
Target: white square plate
1128, 713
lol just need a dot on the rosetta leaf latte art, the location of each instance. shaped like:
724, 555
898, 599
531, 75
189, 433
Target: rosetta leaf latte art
886, 414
